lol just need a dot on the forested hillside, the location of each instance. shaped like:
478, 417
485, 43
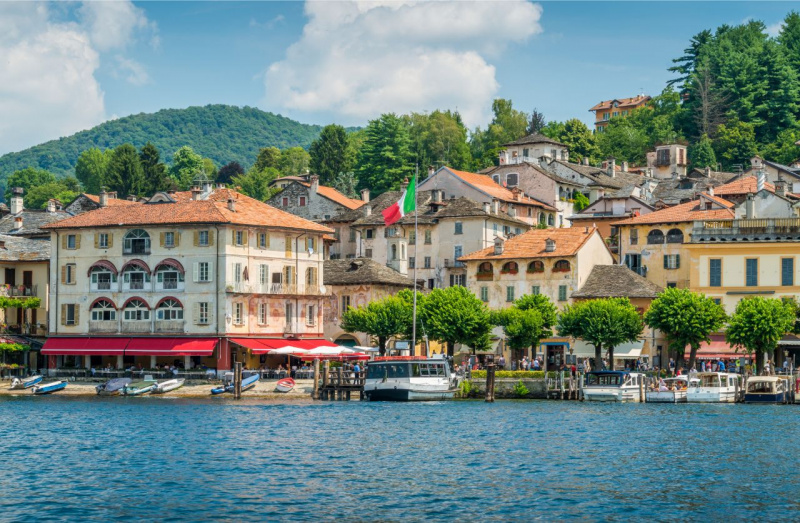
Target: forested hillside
223, 133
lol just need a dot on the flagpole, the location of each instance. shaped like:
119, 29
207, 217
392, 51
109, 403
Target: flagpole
416, 240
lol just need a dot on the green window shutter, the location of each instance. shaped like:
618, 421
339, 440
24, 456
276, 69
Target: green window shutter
666, 261
677, 261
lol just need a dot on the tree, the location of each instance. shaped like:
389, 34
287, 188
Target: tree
735, 143
536, 123
91, 168
530, 318
624, 140
382, 319
186, 167
124, 174
346, 183
507, 125
385, 158
603, 323
455, 315
294, 161
29, 177
758, 324
209, 169
268, 157
329, 155
542, 304
701, 154
576, 136
255, 184
154, 171
228, 171
790, 38
686, 318
580, 201
64, 190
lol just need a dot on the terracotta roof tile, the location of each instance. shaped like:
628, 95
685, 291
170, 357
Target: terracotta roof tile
686, 212
633, 101
745, 185
111, 201
532, 244
334, 195
487, 185
213, 209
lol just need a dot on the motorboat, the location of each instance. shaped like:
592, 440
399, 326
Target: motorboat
113, 387
613, 385
766, 389
167, 386
410, 378
49, 388
247, 383
137, 388
714, 387
285, 385
669, 390
26, 383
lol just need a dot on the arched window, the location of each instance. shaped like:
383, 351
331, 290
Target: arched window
541, 217
136, 241
512, 179
485, 268
135, 275
103, 310
561, 266
102, 277
169, 275
169, 309
311, 276
675, 236
135, 309
536, 266
510, 268
655, 237
551, 219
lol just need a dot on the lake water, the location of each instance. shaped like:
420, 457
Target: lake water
181, 459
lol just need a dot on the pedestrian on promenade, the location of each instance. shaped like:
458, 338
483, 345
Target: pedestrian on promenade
671, 366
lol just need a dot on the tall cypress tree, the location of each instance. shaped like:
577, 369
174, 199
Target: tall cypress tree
125, 175
154, 172
385, 158
329, 153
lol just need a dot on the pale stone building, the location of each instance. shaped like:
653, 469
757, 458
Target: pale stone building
312, 201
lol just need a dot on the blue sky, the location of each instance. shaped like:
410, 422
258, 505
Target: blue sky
72, 66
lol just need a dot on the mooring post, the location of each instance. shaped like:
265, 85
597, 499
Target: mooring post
641, 390
315, 393
237, 380
580, 386
490, 383
326, 379
339, 382
736, 389
561, 383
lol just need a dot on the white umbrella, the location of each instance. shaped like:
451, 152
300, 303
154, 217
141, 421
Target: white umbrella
329, 351
367, 349
289, 350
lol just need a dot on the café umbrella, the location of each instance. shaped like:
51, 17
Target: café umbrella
289, 351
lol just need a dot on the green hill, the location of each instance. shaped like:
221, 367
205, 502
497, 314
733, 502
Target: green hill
223, 133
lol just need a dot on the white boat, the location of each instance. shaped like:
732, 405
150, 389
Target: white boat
612, 385
767, 389
166, 386
26, 383
714, 387
410, 378
669, 390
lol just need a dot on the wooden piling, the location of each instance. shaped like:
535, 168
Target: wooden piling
490, 383
642, 398
237, 380
580, 385
315, 393
561, 383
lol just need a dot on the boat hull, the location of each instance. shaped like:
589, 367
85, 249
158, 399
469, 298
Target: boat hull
285, 385
611, 394
408, 394
778, 397
677, 396
26, 383
721, 396
137, 389
49, 388
113, 387
168, 386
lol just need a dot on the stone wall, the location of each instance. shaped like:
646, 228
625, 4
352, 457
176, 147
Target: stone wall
504, 388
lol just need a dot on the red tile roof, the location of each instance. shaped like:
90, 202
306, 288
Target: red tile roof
213, 209
686, 212
532, 244
487, 185
334, 195
633, 101
111, 201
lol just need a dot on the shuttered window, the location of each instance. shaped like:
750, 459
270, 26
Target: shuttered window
672, 261
510, 293
787, 271
715, 272
562, 293
751, 272
202, 272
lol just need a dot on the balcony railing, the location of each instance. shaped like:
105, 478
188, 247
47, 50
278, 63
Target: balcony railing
276, 288
761, 229
103, 326
169, 325
136, 326
453, 264
18, 290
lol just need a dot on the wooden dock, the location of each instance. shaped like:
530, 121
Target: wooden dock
337, 384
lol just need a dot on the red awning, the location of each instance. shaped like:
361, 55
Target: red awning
718, 348
266, 345
171, 262
171, 347
102, 264
85, 346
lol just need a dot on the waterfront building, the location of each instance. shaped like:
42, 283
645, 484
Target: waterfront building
553, 262
312, 201
616, 108
198, 277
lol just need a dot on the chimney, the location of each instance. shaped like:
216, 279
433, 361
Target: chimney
17, 205
51, 205
780, 186
131, 198
18, 222
761, 180
707, 171
314, 183
586, 229
196, 193
495, 206
437, 196
585, 160
112, 195
549, 245
624, 166
171, 192
512, 211
368, 210
750, 207
365, 195
612, 167
103, 197
517, 194
431, 170
756, 162
499, 245
231, 205
219, 186
487, 207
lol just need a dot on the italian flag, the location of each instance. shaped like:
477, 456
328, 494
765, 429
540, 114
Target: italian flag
403, 206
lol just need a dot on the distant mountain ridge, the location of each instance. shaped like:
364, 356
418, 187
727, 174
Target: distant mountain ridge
223, 133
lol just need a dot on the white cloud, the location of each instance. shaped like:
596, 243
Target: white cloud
356, 60
132, 71
775, 29
48, 64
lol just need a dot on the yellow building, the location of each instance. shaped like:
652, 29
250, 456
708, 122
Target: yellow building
622, 107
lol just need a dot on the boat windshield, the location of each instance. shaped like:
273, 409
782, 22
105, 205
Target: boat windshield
709, 380
388, 370
607, 380
427, 369
760, 387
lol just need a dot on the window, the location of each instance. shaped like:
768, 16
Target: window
237, 273
751, 272
72, 241
427, 262
655, 237
263, 240
368, 253
550, 220
510, 293
169, 239
510, 268
459, 228
562, 293
135, 279
238, 313
69, 314
672, 284
672, 261
458, 252
352, 235
136, 310
311, 316
715, 272
536, 290
412, 238
262, 314
484, 294
427, 237
169, 310
787, 272
311, 277
202, 238
136, 241
68, 274
302, 201
345, 303
634, 236
561, 266
169, 279
103, 310
370, 233
288, 313
431, 283
458, 279
394, 252
102, 279
675, 236
517, 230
263, 274
239, 238
536, 266
102, 240
512, 179
412, 262
202, 313
718, 301
202, 271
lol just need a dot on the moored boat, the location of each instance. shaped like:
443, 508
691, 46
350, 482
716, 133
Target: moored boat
112, 387
612, 385
26, 383
669, 390
137, 388
766, 389
285, 385
167, 386
49, 388
410, 378
714, 387
247, 383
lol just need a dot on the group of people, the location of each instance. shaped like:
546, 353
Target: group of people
722, 365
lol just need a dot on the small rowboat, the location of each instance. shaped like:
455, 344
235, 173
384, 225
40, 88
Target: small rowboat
284, 385
166, 386
138, 388
49, 388
25, 383
247, 383
113, 387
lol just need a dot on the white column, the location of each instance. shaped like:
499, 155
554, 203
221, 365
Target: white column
187, 362
119, 361
152, 362
87, 362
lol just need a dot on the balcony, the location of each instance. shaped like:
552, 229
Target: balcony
18, 290
300, 289
175, 326
453, 264
484, 276
102, 326
746, 230
136, 326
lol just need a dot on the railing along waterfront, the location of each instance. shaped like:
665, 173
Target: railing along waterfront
749, 228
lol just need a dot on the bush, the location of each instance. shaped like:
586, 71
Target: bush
466, 389
520, 390
517, 374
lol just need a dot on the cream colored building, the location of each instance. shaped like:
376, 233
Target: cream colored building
200, 277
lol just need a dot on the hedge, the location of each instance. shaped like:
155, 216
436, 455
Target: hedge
515, 374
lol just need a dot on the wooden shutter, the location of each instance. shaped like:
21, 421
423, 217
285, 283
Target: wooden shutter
63, 274
110, 240
677, 261
96, 240
63, 314
666, 261
233, 236
162, 238
77, 241
266, 233
196, 238
77, 309
210, 238
196, 312
245, 236
177, 235
288, 246
64, 241
196, 271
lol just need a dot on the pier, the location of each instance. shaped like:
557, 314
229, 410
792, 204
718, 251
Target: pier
337, 383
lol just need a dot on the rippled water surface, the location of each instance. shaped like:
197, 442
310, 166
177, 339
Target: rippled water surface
178, 459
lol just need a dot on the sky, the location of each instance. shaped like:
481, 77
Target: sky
65, 67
